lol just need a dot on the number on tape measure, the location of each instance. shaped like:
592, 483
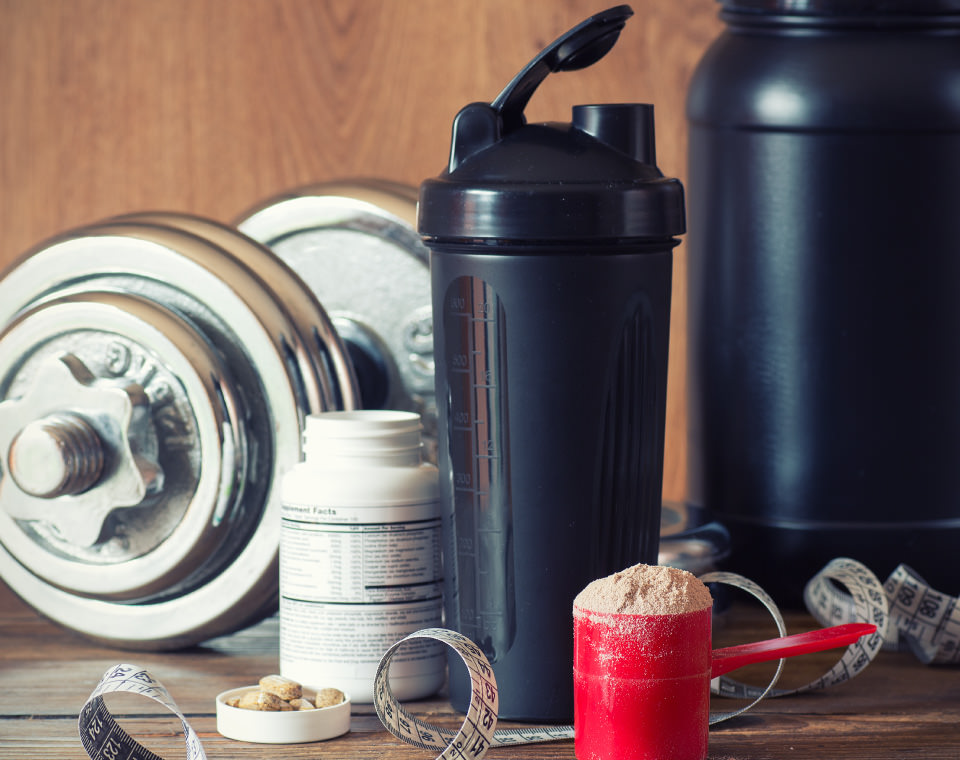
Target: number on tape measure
101, 735
478, 732
928, 621
867, 603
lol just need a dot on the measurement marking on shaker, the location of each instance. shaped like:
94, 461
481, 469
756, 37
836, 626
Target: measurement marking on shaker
475, 367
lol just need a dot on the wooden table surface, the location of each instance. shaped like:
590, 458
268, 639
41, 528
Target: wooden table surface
896, 708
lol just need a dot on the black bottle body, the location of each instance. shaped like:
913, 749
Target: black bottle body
551, 264
824, 286
551, 384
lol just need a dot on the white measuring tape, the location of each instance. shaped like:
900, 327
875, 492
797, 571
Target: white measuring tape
864, 601
101, 735
905, 611
921, 620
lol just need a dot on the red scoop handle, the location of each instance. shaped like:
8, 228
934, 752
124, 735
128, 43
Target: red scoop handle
730, 658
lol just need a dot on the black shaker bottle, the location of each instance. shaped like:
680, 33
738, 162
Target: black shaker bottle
824, 287
551, 260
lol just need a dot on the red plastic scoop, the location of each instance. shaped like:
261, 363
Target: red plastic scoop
730, 658
642, 682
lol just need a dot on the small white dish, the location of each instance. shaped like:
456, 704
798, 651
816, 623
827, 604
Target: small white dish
289, 727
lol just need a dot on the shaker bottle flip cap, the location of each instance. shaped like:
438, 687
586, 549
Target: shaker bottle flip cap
544, 237
507, 179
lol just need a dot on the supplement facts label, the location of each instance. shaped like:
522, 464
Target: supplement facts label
360, 562
353, 581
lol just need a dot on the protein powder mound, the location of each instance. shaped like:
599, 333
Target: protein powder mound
645, 590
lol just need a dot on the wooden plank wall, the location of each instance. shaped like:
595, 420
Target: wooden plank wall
210, 106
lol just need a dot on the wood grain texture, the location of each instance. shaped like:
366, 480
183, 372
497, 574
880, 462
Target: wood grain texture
895, 708
211, 106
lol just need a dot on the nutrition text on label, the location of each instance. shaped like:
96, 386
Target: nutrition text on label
361, 562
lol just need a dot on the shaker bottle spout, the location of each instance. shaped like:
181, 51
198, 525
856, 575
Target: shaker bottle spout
551, 464
480, 125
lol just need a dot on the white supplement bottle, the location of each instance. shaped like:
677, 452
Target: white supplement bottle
360, 556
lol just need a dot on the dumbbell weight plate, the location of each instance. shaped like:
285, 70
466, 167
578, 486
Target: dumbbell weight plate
115, 540
355, 245
320, 352
234, 334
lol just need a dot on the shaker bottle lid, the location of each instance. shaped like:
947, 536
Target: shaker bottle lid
594, 178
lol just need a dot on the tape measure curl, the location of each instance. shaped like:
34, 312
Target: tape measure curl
478, 731
920, 619
101, 735
904, 609
866, 602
